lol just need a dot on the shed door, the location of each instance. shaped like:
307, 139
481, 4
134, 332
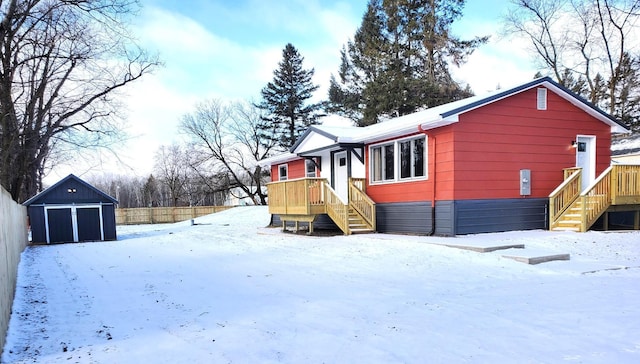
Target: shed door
60, 225
89, 226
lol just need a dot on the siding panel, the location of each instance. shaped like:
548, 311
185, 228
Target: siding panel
408, 217
485, 216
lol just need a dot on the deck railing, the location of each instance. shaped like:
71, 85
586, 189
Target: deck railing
563, 196
313, 196
362, 203
302, 196
625, 180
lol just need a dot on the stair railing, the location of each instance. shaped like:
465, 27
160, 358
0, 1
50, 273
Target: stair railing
337, 211
362, 203
564, 195
596, 199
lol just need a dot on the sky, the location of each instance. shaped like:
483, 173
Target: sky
228, 50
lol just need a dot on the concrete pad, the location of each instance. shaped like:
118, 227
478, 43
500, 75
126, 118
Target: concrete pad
532, 257
481, 247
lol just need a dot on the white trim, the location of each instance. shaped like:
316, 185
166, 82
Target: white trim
592, 147
74, 218
396, 161
541, 98
286, 169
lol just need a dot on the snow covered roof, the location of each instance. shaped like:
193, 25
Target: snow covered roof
628, 145
441, 116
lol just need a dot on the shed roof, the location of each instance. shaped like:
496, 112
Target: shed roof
43, 196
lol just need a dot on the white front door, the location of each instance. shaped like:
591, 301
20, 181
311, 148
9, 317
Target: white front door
586, 159
341, 176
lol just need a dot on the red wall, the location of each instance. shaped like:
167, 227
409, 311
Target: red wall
296, 169
493, 143
480, 156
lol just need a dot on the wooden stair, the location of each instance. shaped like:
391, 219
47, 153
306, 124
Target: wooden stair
357, 225
571, 219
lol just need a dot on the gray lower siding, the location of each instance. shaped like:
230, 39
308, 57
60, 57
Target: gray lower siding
462, 216
405, 217
452, 217
488, 216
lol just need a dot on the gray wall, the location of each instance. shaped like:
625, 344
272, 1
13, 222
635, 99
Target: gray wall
462, 216
488, 216
13, 240
404, 217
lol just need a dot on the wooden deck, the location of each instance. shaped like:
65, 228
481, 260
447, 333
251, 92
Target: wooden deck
616, 189
302, 200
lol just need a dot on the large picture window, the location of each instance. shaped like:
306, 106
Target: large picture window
398, 161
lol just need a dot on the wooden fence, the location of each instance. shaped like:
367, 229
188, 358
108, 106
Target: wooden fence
163, 215
13, 240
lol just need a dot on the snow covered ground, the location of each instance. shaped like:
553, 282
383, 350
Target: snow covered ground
229, 290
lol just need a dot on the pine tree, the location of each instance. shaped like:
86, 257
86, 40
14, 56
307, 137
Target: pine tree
285, 101
398, 60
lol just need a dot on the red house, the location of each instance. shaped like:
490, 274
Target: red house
483, 164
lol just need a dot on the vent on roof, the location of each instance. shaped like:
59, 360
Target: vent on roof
542, 99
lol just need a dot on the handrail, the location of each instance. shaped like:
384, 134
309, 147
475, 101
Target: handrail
564, 195
569, 171
336, 209
359, 182
362, 203
596, 199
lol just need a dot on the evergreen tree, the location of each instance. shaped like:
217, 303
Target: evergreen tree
285, 101
397, 62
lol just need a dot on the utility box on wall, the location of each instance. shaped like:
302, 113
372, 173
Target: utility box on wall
525, 182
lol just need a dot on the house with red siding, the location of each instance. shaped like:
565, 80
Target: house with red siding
487, 163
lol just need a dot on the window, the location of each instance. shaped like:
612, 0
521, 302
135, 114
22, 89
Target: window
310, 168
382, 162
411, 158
542, 99
282, 172
409, 164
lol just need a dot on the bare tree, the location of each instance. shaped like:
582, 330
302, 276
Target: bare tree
227, 137
586, 45
172, 167
62, 65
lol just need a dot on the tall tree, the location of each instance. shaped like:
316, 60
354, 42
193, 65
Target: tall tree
227, 140
62, 63
285, 101
398, 60
587, 45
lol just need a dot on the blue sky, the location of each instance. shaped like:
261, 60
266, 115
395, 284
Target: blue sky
228, 49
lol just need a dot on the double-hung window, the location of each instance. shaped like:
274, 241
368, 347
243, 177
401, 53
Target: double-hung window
382, 161
411, 159
310, 167
283, 172
400, 160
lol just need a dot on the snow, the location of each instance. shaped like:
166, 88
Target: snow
230, 289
